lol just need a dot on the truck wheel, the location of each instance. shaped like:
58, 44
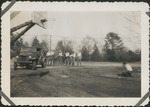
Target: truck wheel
15, 66
28, 66
34, 65
43, 64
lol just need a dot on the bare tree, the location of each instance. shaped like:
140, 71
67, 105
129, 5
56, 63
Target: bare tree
88, 42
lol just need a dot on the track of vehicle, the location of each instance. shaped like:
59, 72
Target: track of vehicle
67, 81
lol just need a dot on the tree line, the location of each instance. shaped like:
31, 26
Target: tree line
113, 49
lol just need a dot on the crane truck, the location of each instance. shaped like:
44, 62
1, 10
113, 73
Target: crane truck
29, 56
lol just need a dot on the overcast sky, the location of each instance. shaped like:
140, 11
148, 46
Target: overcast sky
76, 25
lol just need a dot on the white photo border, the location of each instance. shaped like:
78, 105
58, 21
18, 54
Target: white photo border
75, 6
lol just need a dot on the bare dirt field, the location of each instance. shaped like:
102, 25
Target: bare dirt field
92, 79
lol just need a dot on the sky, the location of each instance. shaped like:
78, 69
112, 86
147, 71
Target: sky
75, 26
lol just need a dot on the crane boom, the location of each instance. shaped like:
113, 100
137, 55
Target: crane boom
13, 39
21, 25
29, 25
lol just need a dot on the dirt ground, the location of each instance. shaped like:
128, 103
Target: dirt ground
92, 79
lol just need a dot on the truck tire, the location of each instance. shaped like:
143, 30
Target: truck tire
34, 65
15, 66
43, 64
28, 66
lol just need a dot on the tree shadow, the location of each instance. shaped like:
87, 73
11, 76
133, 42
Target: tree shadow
125, 74
41, 74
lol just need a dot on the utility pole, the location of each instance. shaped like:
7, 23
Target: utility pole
50, 44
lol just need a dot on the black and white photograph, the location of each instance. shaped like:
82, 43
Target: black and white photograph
76, 54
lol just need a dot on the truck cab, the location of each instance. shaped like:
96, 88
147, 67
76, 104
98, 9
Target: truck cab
30, 57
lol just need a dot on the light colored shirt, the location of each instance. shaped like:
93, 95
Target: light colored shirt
67, 54
128, 67
60, 54
73, 55
79, 54
50, 53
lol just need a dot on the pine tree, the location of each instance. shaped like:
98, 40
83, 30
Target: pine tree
35, 42
113, 46
95, 56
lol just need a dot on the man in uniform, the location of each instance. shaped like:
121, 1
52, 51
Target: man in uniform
128, 69
60, 55
67, 55
79, 56
72, 58
50, 58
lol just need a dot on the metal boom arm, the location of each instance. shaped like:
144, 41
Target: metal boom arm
20, 26
13, 39
29, 24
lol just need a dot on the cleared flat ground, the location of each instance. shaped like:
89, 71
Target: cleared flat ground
92, 79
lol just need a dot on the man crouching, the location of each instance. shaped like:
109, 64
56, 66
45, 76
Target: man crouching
128, 70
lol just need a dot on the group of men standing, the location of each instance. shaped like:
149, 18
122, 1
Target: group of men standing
64, 58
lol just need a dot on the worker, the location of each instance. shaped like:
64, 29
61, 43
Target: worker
72, 58
67, 58
128, 69
56, 58
60, 55
50, 58
79, 57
